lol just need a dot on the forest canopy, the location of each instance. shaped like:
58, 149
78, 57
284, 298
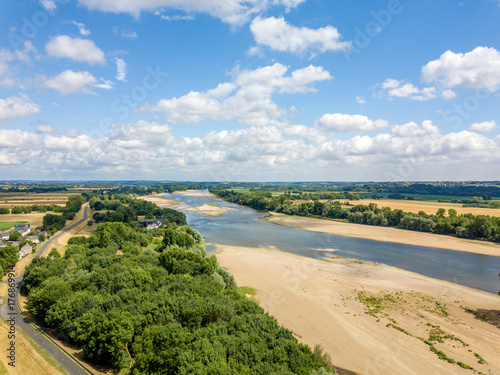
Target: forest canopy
155, 303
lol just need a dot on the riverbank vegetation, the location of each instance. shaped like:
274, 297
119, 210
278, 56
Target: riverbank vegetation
153, 302
483, 227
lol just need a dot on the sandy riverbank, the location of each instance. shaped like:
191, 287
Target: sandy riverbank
320, 301
197, 193
386, 234
160, 199
209, 210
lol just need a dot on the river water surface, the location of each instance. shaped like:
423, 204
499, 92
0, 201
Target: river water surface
243, 226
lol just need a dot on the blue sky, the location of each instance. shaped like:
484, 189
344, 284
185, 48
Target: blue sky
250, 90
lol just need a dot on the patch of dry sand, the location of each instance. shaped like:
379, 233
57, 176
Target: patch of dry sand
160, 199
319, 301
197, 193
385, 234
209, 210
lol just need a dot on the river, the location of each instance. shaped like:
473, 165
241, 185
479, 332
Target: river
243, 226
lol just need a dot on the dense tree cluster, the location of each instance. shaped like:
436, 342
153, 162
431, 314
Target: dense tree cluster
477, 202
53, 223
465, 226
8, 257
48, 188
151, 306
125, 208
482, 189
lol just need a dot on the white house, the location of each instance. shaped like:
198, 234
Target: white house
23, 228
5, 235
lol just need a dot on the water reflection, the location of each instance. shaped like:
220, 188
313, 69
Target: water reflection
243, 226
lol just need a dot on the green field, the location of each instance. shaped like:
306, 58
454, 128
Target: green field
10, 224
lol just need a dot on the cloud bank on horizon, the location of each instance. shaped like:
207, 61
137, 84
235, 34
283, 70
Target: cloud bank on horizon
249, 90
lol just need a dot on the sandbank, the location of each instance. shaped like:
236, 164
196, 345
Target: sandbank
197, 193
160, 199
377, 233
209, 210
322, 303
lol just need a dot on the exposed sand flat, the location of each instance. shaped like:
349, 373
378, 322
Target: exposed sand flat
318, 301
386, 234
209, 210
160, 199
197, 193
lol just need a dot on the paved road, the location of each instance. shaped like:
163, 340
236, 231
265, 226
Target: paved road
10, 312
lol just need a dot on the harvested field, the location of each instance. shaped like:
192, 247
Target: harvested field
30, 359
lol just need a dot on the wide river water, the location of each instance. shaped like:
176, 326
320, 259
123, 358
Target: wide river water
243, 226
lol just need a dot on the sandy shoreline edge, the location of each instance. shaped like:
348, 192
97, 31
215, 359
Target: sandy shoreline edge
319, 301
386, 234
369, 232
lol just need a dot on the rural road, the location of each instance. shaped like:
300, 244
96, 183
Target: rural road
11, 313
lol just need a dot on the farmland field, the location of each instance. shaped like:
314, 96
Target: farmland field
34, 219
9, 224
427, 207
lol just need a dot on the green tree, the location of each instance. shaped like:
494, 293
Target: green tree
14, 235
440, 212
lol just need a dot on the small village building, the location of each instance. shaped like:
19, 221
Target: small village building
25, 250
5, 235
33, 239
151, 223
2, 244
24, 229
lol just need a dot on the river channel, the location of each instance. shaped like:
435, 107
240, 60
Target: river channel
243, 226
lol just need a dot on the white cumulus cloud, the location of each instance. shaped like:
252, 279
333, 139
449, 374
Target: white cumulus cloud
69, 82
82, 50
234, 12
279, 35
483, 127
247, 99
338, 122
16, 107
479, 68
400, 89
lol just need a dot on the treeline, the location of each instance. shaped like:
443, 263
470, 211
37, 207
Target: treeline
477, 202
484, 190
33, 189
144, 305
19, 210
480, 227
125, 209
53, 223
